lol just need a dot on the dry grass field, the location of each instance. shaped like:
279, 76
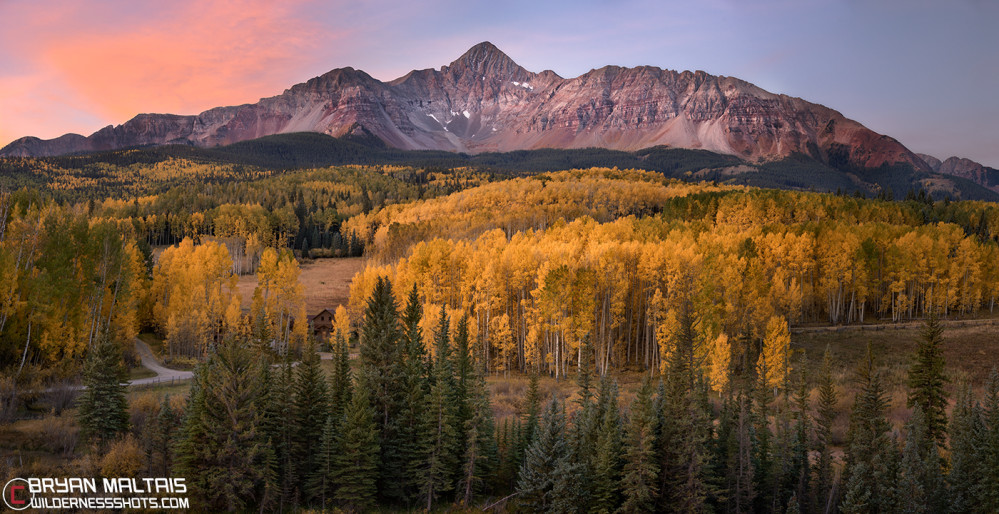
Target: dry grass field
326, 281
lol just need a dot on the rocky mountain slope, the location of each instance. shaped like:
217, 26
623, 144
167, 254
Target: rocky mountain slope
964, 168
484, 101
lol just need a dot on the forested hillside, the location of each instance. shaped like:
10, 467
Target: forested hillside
150, 170
541, 263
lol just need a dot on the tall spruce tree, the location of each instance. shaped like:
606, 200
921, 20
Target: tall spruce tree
546, 460
966, 467
442, 438
641, 469
382, 364
464, 378
827, 412
531, 410
321, 486
356, 463
927, 381
800, 466
222, 450
585, 422
765, 474
269, 424
103, 408
683, 451
741, 469
989, 452
311, 410
871, 450
605, 477
164, 435
280, 430
417, 385
341, 384
480, 457
920, 482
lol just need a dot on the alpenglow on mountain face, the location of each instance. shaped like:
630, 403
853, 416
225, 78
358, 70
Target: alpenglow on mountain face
484, 101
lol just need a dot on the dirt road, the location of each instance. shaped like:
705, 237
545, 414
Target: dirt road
163, 374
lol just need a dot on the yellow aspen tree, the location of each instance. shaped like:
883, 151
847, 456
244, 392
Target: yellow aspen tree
341, 321
719, 361
501, 338
776, 352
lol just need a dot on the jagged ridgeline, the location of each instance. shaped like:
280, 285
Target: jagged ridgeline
542, 262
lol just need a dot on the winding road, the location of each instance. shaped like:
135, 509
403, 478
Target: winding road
163, 374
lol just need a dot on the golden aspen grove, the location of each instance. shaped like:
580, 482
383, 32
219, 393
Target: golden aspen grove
613, 254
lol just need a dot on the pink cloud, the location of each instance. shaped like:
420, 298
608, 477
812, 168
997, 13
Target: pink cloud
64, 68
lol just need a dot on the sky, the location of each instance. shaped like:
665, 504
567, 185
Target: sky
924, 72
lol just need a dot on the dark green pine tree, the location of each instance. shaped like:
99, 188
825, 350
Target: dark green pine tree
321, 486
464, 377
739, 479
871, 449
464, 370
222, 450
280, 429
547, 463
824, 471
927, 381
269, 426
966, 466
641, 468
531, 410
857, 497
989, 452
356, 463
442, 436
569, 490
510, 455
480, 457
382, 366
920, 482
103, 408
686, 425
341, 383
311, 410
764, 465
801, 444
411, 331
164, 434
605, 475
415, 369
585, 422
724, 448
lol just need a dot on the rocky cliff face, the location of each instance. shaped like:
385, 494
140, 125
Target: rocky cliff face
484, 101
965, 168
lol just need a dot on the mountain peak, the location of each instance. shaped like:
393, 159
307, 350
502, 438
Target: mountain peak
487, 60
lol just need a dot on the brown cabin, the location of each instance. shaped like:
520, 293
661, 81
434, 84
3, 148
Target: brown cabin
322, 325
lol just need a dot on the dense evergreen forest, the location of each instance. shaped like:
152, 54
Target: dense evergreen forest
412, 428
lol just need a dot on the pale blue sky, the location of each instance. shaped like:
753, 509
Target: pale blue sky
926, 73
